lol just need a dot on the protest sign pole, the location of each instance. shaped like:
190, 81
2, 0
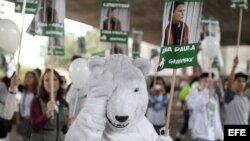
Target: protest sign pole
239, 31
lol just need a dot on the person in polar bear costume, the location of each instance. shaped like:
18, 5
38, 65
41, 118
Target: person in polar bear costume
116, 103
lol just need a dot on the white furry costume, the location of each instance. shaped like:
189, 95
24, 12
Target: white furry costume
116, 103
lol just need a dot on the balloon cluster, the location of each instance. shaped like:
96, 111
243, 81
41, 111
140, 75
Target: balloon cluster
10, 36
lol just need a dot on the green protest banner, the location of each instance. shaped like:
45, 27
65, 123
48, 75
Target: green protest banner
239, 4
31, 6
49, 21
209, 20
137, 39
115, 19
184, 0
178, 56
58, 46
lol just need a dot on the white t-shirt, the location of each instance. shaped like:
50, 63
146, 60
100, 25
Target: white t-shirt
205, 120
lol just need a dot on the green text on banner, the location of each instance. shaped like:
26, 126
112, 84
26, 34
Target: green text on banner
239, 4
178, 56
31, 6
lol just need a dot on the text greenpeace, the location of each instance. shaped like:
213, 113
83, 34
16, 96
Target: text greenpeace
180, 61
178, 56
178, 49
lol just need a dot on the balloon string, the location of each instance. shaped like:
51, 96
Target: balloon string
20, 42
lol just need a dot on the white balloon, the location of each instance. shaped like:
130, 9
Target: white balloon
203, 61
9, 36
210, 47
79, 72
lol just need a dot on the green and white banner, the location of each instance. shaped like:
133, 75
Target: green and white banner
178, 56
115, 20
49, 19
210, 26
239, 4
180, 33
58, 46
209, 20
137, 39
184, 0
31, 6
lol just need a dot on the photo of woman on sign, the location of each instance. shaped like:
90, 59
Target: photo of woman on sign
179, 29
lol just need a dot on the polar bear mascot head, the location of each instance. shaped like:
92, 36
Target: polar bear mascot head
128, 102
116, 103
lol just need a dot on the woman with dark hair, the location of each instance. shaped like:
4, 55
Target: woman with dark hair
49, 119
30, 87
158, 100
112, 23
179, 29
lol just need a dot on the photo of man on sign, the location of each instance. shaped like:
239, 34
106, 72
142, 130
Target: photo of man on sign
112, 22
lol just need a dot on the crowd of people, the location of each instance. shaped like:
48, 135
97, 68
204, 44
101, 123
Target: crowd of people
207, 105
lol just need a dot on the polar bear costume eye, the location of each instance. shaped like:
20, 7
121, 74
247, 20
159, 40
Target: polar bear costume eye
136, 90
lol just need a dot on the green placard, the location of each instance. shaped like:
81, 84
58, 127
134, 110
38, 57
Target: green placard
137, 39
58, 46
116, 3
46, 29
178, 56
31, 6
114, 36
57, 51
239, 4
184, 0
115, 18
49, 19
136, 55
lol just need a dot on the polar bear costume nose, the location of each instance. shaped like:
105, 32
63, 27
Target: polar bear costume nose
121, 118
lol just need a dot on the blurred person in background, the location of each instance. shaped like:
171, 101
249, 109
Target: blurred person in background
203, 105
29, 92
158, 100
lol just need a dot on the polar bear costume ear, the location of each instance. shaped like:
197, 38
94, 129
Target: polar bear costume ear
143, 65
95, 62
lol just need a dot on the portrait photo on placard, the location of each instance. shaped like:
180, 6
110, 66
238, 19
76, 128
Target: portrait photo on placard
181, 22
